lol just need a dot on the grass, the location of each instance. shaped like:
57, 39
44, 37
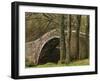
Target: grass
80, 62
74, 63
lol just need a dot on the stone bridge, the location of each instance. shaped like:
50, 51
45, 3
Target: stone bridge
43, 46
33, 49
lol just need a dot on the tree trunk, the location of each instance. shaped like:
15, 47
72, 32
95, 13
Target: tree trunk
77, 35
68, 39
62, 42
87, 37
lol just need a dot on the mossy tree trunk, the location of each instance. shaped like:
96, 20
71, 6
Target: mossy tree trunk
68, 38
77, 34
62, 42
87, 37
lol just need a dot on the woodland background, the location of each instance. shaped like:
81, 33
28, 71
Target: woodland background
73, 30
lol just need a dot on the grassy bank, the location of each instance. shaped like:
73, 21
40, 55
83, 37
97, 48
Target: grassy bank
74, 63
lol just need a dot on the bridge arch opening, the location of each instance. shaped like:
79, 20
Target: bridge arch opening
50, 52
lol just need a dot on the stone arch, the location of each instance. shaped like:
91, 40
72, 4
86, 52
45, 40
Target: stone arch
48, 48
